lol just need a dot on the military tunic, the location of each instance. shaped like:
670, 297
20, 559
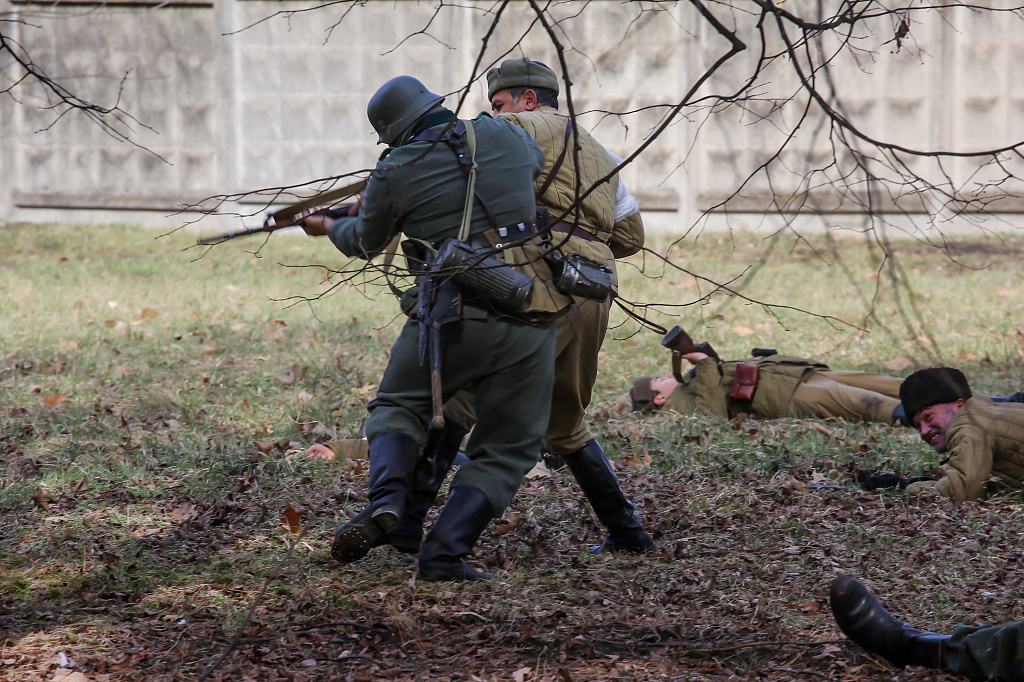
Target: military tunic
580, 333
419, 189
984, 438
788, 386
987, 652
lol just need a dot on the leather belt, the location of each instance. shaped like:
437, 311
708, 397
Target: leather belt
574, 231
506, 233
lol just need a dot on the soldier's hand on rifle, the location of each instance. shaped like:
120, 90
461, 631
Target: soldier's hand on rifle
884, 481
353, 211
315, 225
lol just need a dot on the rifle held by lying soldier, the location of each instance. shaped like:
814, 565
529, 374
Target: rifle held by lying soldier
680, 343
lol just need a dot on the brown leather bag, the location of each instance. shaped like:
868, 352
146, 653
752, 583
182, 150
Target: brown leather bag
744, 383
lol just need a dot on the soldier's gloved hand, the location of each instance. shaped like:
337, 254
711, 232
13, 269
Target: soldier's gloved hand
884, 481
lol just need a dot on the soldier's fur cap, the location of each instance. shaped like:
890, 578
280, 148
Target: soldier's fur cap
932, 386
642, 396
521, 73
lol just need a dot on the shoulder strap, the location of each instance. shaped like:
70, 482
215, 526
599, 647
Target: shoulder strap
467, 209
457, 137
558, 162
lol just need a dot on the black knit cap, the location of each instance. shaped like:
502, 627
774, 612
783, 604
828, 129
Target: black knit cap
932, 386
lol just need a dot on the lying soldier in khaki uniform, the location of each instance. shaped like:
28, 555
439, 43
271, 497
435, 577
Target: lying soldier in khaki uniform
982, 437
769, 386
786, 386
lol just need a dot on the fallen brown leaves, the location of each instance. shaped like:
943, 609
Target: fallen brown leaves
738, 590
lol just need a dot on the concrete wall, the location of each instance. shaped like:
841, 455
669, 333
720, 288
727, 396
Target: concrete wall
232, 96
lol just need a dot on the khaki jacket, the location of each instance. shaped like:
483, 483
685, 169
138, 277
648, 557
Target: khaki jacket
596, 215
705, 389
985, 438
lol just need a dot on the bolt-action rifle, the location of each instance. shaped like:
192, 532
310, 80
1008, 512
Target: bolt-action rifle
294, 213
680, 343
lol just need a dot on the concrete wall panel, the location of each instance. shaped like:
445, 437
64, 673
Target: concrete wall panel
243, 95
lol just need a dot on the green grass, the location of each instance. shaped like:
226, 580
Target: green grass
155, 400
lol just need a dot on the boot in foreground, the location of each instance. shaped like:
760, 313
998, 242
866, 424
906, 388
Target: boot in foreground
864, 620
463, 519
597, 479
393, 457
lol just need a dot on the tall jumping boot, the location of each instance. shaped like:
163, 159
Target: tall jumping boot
899, 416
463, 519
441, 449
393, 458
597, 479
864, 620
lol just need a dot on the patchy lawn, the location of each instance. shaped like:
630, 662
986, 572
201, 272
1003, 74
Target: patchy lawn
162, 523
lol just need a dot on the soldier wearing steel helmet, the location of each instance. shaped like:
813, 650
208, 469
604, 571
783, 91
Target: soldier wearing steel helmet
419, 189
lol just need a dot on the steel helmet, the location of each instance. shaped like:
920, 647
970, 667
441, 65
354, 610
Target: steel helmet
397, 104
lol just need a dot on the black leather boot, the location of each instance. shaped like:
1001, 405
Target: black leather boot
864, 620
456, 530
438, 455
899, 416
393, 458
597, 479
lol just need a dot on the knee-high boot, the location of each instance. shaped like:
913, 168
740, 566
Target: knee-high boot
438, 455
393, 458
866, 622
597, 479
463, 519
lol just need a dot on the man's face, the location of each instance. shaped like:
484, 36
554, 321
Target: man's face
662, 388
932, 422
502, 102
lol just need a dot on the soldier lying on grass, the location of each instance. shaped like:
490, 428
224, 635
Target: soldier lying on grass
781, 386
983, 437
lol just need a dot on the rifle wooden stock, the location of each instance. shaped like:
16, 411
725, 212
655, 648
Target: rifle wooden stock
680, 343
289, 215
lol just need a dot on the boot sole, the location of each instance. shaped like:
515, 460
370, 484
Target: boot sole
457, 573
353, 541
637, 544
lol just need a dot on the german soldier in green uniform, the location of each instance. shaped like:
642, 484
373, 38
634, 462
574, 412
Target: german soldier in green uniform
420, 188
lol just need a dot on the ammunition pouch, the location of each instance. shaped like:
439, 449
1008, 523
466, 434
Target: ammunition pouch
578, 275
744, 382
520, 247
